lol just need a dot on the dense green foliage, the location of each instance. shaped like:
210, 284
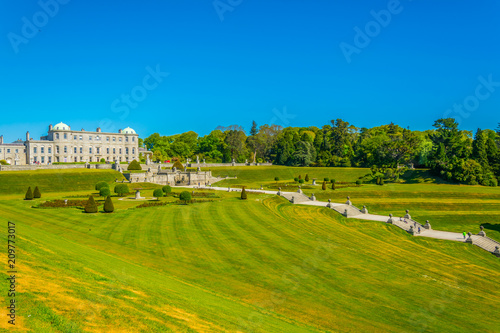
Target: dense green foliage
36, 193
323, 186
104, 192
178, 165
91, 206
451, 153
158, 193
243, 194
134, 165
3, 162
185, 196
121, 189
167, 189
108, 205
29, 194
100, 185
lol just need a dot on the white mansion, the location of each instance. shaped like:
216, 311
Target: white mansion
62, 144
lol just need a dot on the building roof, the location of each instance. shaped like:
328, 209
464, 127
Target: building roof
61, 127
128, 130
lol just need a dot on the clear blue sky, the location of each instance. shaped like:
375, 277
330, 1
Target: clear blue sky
282, 55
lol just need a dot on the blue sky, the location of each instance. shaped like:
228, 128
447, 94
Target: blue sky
229, 62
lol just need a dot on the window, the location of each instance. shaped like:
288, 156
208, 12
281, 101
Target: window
97, 138
120, 151
126, 151
8, 150
76, 159
74, 138
43, 159
114, 150
81, 158
0, 150
90, 138
49, 159
90, 150
34, 150
17, 150
81, 150
65, 136
120, 139
42, 150
81, 138
57, 150
74, 150
126, 139
98, 150
34, 159
133, 139
57, 136
107, 150
133, 151
49, 149
65, 149
114, 139
107, 138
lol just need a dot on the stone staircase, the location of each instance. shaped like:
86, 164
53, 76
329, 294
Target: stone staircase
297, 197
485, 243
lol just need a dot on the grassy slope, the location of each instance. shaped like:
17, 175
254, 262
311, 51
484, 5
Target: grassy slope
54, 181
262, 265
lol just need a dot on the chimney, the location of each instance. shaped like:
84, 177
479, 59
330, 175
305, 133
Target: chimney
50, 127
120, 131
27, 136
83, 130
1, 139
98, 130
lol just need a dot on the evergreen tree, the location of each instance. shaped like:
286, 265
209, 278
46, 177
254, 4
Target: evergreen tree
29, 194
91, 206
479, 148
178, 165
134, 165
254, 130
306, 178
108, 205
243, 194
36, 193
323, 187
333, 186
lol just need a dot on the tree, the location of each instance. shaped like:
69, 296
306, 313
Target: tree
122, 189
254, 130
243, 193
185, 196
36, 193
326, 179
300, 177
102, 160
178, 165
3, 162
296, 179
157, 193
100, 185
167, 189
104, 192
134, 165
276, 179
29, 194
333, 185
108, 205
91, 206
301, 181
323, 187
307, 178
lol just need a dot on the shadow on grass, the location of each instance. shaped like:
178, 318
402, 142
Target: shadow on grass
495, 227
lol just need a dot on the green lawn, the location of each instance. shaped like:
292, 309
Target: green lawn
260, 265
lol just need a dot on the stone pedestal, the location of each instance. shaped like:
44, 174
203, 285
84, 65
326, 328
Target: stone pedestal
411, 231
329, 204
482, 233
345, 212
314, 181
390, 219
427, 225
293, 200
497, 251
313, 198
348, 202
364, 210
469, 239
408, 216
138, 195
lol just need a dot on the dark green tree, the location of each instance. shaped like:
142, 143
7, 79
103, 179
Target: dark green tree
36, 193
307, 178
104, 192
91, 206
167, 189
243, 194
29, 194
134, 165
157, 193
276, 179
178, 165
185, 196
122, 189
100, 185
108, 205
323, 186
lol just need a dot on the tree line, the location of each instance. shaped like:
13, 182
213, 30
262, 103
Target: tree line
455, 155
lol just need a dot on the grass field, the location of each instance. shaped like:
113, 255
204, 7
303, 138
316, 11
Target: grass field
261, 265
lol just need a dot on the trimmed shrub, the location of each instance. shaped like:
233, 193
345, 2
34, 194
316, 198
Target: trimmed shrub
326, 179
29, 194
102, 160
301, 181
3, 162
158, 193
323, 187
185, 196
36, 193
333, 186
276, 179
296, 179
307, 178
332, 181
108, 205
300, 177
105, 192
178, 165
91, 206
359, 182
134, 165
243, 193
122, 189
167, 189
100, 185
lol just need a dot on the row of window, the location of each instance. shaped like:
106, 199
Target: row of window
8, 150
76, 159
97, 138
75, 150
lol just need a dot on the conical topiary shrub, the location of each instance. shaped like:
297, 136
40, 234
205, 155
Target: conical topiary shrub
178, 165
29, 194
323, 187
243, 193
333, 186
108, 205
306, 178
91, 206
134, 165
37, 194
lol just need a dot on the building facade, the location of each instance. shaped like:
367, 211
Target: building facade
61, 144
